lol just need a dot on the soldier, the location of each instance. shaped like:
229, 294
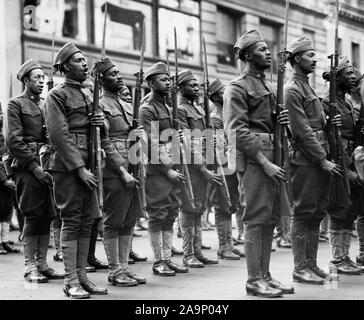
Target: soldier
25, 134
223, 211
192, 116
248, 104
68, 108
162, 180
120, 204
125, 94
311, 169
343, 209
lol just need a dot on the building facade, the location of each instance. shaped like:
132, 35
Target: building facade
28, 27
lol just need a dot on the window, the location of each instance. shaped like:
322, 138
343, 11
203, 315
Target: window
355, 55
67, 18
187, 6
226, 26
270, 34
124, 21
340, 47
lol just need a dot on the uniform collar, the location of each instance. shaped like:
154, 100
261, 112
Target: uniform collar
32, 97
185, 100
110, 94
74, 83
157, 98
259, 74
300, 76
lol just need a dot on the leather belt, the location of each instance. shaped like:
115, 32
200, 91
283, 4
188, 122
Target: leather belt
81, 140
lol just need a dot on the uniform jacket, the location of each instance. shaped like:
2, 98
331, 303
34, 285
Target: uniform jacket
119, 115
24, 129
157, 111
306, 117
248, 105
67, 110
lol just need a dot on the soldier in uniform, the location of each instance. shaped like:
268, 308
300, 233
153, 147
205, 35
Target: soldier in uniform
344, 208
223, 210
192, 117
68, 118
248, 103
311, 168
121, 211
162, 180
25, 134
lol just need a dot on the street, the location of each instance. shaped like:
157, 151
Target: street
224, 281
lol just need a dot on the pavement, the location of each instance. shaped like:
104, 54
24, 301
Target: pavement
224, 281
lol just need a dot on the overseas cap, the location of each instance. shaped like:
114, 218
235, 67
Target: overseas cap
26, 67
185, 75
300, 45
358, 75
246, 40
157, 68
65, 53
342, 64
105, 65
215, 86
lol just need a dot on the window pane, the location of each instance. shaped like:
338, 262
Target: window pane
226, 37
188, 33
124, 21
66, 17
189, 6
355, 52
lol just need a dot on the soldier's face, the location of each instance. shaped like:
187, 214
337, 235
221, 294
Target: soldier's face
307, 61
76, 67
112, 80
126, 96
35, 81
161, 83
190, 89
346, 78
260, 55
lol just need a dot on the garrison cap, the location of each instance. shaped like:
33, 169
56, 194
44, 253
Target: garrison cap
215, 86
185, 75
65, 53
157, 68
343, 63
246, 40
125, 89
26, 67
358, 75
105, 65
299, 45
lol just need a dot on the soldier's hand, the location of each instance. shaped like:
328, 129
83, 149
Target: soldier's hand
10, 184
283, 117
337, 120
129, 180
274, 171
212, 177
87, 177
180, 136
139, 132
98, 120
175, 176
42, 176
331, 167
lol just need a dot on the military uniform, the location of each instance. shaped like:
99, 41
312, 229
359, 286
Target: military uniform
25, 134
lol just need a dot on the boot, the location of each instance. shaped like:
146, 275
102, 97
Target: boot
2, 250
7, 246
230, 241
189, 259
122, 279
31, 273
159, 268
167, 250
224, 252
336, 244
91, 259
299, 244
136, 257
253, 253
82, 254
197, 244
57, 244
41, 259
267, 240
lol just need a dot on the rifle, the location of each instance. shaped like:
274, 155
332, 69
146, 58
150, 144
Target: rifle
95, 137
139, 170
333, 132
50, 82
186, 186
281, 150
206, 85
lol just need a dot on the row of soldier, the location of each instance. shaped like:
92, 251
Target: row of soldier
49, 145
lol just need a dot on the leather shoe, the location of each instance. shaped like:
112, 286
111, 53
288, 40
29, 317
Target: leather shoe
205, 247
192, 262
227, 254
176, 252
206, 260
58, 256
97, 264
238, 252
92, 288
130, 261
175, 267
321, 273
2, 250
261, 288
133, 275
75, 291
160, 268
90, 269
10, 248
141, 226
136, 235
51, 274
343, 268
283, 243
136, 257
239, 239
121, 279
360, 263
35, 276
307, 276
274, 283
